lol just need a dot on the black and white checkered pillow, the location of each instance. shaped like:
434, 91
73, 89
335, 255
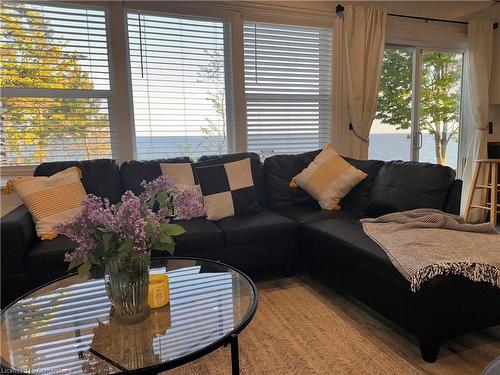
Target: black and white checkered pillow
181, 173
228, 189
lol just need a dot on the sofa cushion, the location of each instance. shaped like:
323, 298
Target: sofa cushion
406, 185
453, 198
18, 236
48, 257
279, 171
256, 165
133, 172
346, 243
201, 235
358, 198
260, 227
305, 213
100, 177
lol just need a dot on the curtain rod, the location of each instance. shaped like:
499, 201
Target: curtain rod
340, 9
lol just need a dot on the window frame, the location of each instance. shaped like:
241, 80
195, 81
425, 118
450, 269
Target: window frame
27, 170
321, 98
416, 90
228, 70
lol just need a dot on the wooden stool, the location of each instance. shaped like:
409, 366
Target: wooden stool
490, 183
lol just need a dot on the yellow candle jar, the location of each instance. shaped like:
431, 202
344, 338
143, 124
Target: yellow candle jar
159, 291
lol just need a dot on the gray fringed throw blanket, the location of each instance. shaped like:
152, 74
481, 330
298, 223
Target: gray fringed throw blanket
425, 243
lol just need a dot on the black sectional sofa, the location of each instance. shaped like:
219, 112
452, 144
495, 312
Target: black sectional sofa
291, 229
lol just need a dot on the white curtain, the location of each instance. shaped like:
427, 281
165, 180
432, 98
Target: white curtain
362, 35
478, 62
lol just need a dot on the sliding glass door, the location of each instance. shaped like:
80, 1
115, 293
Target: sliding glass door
391, 133
418, 113
439, 107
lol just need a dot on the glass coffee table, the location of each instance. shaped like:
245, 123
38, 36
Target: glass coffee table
65, 326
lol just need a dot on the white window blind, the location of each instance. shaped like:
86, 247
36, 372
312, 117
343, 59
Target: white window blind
54, 77
179, 69
287, 87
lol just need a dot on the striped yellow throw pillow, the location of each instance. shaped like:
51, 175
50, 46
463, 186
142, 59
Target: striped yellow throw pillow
51, 200
328, 178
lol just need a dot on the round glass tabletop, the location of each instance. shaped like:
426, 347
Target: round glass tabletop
64, 327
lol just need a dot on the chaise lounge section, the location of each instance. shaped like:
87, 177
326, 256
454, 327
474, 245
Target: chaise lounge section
291, 229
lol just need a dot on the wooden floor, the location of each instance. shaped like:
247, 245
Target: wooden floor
463, 355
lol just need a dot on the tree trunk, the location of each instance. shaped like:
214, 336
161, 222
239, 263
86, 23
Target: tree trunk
440, 145
87, 148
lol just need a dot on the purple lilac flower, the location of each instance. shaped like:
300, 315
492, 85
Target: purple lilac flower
187, 205
153, 188
162, 215
131, 221
95, 213
128, 219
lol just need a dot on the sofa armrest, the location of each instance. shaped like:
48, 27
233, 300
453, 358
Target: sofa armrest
18, 237
453, 198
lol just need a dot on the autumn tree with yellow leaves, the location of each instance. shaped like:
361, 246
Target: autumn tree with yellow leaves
46, 128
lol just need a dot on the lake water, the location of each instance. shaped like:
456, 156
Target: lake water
397, 147
382, 147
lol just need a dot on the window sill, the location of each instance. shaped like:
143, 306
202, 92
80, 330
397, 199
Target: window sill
7, 173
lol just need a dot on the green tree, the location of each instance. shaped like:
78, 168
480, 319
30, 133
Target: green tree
394, 100
31, 57
440, 99
439, 94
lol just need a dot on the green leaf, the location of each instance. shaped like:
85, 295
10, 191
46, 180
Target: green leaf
84, 269
106, 241
95, 258
75, 263
125, 248
104, 230
99, 252
172, 229
166, 238
164, 246
163, 197
149, 227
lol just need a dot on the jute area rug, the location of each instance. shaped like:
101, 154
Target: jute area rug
296, 330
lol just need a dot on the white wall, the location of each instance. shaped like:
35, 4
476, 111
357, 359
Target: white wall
494, 114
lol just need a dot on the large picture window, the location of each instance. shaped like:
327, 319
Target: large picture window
54, 77
178, 68
287, 87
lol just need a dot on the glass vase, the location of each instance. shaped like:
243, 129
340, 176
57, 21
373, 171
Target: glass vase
127, 288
